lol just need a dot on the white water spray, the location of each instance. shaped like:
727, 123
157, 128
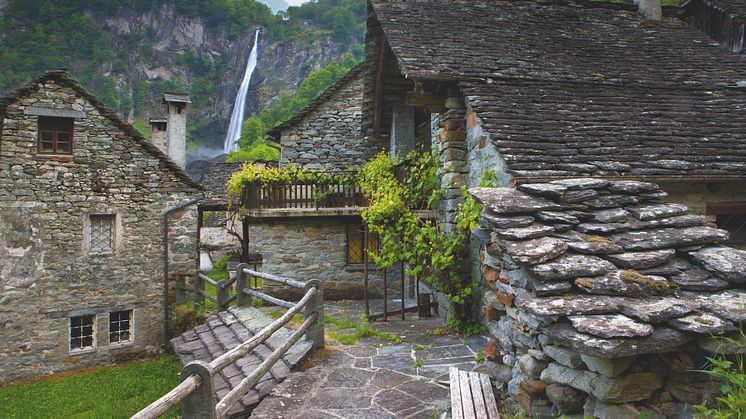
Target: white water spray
234, 129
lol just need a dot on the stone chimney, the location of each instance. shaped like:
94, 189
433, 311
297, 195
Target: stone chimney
650, 9
176, 104
158, 125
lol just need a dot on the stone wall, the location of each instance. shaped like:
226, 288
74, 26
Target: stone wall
330, 136
49, 272
603, 302
312, 248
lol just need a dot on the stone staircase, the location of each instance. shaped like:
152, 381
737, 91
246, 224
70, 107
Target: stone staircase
225, 331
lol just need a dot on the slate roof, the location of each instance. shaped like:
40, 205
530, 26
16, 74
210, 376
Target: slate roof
61, 77
561, 84
734, 8
354, 72
610, 269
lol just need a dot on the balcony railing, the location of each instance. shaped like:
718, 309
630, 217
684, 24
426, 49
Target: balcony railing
306, 194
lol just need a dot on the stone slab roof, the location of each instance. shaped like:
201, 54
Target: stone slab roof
608, 269
568, 89
734, 8
61, 77
354, 73
227, 330
176, 97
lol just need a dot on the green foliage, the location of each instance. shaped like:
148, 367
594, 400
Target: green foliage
140, 97
432, 254
479, 357
418, 362
261, 152
143, 126
253, 133
251, 174
344, 18
107, 392
186, 316
730, 370
360, 330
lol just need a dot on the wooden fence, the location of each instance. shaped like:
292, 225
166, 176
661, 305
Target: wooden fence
196, 392
314, 194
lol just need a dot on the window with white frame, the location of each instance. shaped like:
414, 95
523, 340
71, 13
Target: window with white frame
81, 332
120, 326
102, 232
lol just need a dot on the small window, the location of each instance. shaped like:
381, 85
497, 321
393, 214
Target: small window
120, 326
55, 135
355, 239
101, 234
81, 332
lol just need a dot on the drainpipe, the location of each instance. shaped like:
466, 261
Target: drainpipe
166, 214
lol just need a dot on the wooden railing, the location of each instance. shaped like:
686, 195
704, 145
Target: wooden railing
196, 393
307, 194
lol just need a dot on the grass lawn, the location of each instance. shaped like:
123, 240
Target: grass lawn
106, 392
144, 127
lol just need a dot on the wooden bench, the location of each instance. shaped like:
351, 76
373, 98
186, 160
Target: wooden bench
471, 395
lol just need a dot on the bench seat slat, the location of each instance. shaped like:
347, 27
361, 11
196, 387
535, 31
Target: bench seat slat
456, 410
476, 393
489, 396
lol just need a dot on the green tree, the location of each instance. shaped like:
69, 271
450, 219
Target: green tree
109, 93
140, 97
253, 133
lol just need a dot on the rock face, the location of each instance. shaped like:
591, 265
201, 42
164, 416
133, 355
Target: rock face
728, 263
624, 292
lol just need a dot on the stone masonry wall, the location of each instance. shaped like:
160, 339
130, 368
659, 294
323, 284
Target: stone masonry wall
602, 301
330, 136
312, 249
48, 272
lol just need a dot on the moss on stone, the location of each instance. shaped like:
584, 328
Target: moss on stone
645, 282
597, 239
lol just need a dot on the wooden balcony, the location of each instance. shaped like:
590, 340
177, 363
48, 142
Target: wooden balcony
312, 194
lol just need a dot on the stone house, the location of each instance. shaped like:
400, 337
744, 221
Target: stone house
528, 94
308, 239
95, 221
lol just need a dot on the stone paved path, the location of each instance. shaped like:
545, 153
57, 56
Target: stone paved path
225, 331
375, 378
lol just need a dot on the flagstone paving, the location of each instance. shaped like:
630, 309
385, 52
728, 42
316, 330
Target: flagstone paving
374, 378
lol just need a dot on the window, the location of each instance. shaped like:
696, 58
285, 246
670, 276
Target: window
355, 239
120, 326
55, 135
101, 234
736, 226
81, 332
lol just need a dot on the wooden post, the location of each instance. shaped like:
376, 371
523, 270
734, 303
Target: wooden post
401, 266
315, 304
242, 281
199, 284
385, 294
200, 403
221, 295
365, 270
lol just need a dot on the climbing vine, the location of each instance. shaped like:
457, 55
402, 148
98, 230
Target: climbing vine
251, 174
396, 189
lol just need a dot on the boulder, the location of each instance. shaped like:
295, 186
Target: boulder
557, 217
726, 262
606, 366
663, 339
668, 237
728, 305
653, 212
702, 323
581, 183
627, 283
658, 309
612, 201
697, 279
564, 356
614, 215
547, 190
574, 197
572, 266
603, 228
561, 306
631, 187
610, 325
535, 251
628, 388
507, 221
546, 289
565, 398
511, 201
641, 260
522, 233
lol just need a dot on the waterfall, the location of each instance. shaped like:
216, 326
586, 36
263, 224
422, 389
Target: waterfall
234, 129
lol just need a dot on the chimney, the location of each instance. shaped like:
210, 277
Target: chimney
158, 126
176, 104
650, 9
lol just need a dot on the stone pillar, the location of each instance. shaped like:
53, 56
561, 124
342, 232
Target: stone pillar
159, 136
176, 103
453, 158
650, 9
402, 130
